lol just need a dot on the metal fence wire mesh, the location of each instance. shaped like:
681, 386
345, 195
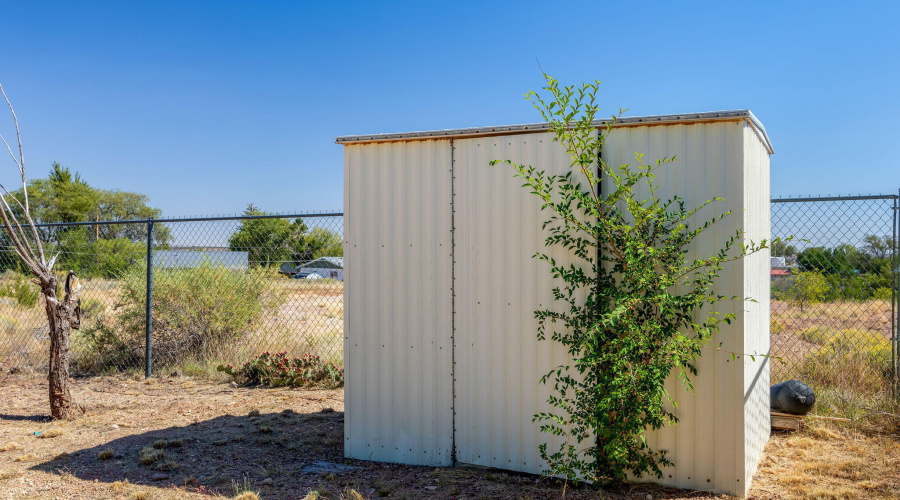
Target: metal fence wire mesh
223, 290
834, 292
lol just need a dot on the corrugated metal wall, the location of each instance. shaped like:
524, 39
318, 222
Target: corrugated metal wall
399, 395
708, 445
757, 219
498, 287
397, 306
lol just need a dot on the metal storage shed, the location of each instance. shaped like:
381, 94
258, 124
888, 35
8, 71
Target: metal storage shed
441, 355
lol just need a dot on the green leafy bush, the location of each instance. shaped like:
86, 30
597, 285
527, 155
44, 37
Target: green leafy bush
19, 287
278, 370
196, 312
100, 346
807, 287
635, 307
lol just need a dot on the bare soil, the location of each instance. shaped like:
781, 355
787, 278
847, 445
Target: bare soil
220, 448
216, 445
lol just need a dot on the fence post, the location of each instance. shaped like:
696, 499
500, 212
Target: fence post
895, 300
148, 341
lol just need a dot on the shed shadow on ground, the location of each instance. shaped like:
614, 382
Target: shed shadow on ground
267, 451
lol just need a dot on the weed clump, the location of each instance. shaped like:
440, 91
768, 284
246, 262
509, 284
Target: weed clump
167, 465
149, 456
106, 454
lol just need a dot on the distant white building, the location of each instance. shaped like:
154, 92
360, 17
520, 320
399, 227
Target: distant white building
326, 267
189, 259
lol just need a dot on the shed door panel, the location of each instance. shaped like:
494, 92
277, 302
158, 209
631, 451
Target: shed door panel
397, 313
498, 286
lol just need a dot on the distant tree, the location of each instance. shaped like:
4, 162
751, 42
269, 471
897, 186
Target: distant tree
879, 247
124, 205
64, 196
319, 242
783, 249
842, 260
269, 242
807, 287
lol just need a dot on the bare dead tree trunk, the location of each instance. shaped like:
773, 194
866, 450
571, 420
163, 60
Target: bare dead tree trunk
62, 315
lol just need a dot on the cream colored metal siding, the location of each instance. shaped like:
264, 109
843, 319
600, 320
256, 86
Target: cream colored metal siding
757, 424
398, 300
704, 444
397, 313
708, 444
498, 287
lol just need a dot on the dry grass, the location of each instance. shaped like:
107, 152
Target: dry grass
832, 461
24, 340
841, 349
52, 433
106, 454
309, 321
11, 446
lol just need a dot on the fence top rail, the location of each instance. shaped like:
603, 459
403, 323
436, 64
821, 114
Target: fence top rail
837, 198
184, 219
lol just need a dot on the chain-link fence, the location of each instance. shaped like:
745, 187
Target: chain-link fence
834, 291
221, 291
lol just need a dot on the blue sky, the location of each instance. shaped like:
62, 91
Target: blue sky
208, 106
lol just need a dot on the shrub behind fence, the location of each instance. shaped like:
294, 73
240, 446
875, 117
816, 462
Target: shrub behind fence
222, 291
834, 292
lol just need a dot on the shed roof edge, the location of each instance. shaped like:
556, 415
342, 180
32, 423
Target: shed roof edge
630, 121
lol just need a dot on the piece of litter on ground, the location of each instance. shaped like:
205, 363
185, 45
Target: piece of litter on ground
159, 476
320, 467
267, 481
115, 426
431, 487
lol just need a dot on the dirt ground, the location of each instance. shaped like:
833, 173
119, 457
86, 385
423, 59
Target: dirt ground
214, 440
